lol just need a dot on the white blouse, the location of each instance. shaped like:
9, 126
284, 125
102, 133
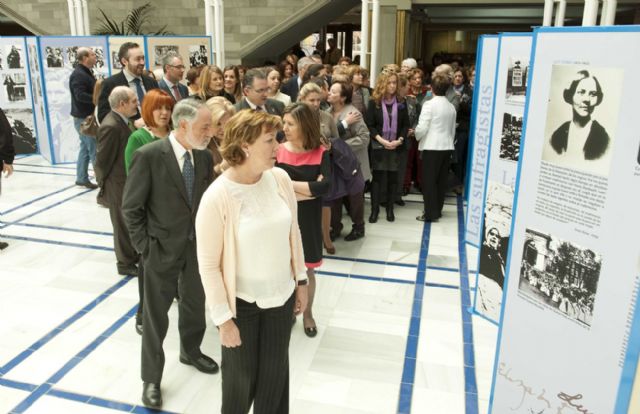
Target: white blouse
262, 243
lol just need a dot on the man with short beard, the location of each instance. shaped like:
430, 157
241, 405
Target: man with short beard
165, 184
131, 56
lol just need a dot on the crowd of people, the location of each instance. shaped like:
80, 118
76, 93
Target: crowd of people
257, 165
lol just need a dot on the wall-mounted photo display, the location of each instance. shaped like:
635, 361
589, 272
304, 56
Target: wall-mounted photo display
114, 46
160, 51
56, 87
194, 50
198, 55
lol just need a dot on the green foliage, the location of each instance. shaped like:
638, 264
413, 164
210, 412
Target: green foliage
133, 23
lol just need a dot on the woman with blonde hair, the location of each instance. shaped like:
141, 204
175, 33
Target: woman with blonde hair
307, 162
221, 111
388, 122
251, 262
211, 84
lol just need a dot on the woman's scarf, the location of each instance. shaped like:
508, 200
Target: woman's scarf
390, 126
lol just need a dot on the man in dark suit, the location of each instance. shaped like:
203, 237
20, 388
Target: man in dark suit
131, 57
292, 87
81, 84
112, 138
256, 94
173, 69
164, 187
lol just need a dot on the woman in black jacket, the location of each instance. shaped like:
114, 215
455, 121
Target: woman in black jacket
388, 122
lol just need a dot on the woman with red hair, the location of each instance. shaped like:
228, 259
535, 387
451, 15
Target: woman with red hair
156, 113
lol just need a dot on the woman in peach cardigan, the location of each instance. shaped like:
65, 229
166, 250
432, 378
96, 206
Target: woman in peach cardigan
252, 265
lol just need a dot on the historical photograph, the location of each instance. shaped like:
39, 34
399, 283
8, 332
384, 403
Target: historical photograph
560, 274
198, 55
14, 57
511, 134
582, 117
71, 60
160, 51
494, 249
15, 87
100, 63
53, 56
517, 72
115, 63
33, 58
24, 138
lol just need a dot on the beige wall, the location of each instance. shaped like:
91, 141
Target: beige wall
387, 37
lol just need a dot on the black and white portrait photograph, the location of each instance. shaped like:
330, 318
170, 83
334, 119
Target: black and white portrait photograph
14, 57
100, 63
511, 134
161, 51
53, 55
494, 249
198, 55
115, 63
582, 117
15, 87
24, 139
517, 72
70, 58
560, 274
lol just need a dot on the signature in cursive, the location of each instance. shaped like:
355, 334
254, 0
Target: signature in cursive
526, 390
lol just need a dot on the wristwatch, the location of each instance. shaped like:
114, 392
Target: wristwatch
302, 282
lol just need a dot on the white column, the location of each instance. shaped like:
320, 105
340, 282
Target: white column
560, 12
208, 18
77, 5
85, 15
375, 40
221, 33
216, 20
590, 15
548, 12
72, 17
364, 34
608, 12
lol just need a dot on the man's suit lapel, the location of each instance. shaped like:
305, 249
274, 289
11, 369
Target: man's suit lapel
171, 163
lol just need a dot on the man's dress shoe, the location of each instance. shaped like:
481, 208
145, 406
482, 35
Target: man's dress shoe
202, 363
151, 395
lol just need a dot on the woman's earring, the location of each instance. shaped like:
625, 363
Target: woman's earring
246, 154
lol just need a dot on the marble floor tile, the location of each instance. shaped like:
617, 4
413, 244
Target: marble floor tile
10, 397
426, 400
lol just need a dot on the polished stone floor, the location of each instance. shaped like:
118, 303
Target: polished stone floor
394, 335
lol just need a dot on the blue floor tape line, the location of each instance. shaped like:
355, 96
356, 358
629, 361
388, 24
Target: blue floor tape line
44, 226
58, 375
470, 382
28, 216
380, 262
43, 173
411, 350
57, 330
28, 203
58, 243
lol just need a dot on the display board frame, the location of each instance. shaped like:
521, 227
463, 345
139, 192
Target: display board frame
500, 180
485, 67
578, 398
183, 46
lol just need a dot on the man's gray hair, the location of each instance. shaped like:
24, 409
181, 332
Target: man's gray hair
252, 74
410, 63
444, 69
118, 95
168, 58
186, 109
304, 62
82, 53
